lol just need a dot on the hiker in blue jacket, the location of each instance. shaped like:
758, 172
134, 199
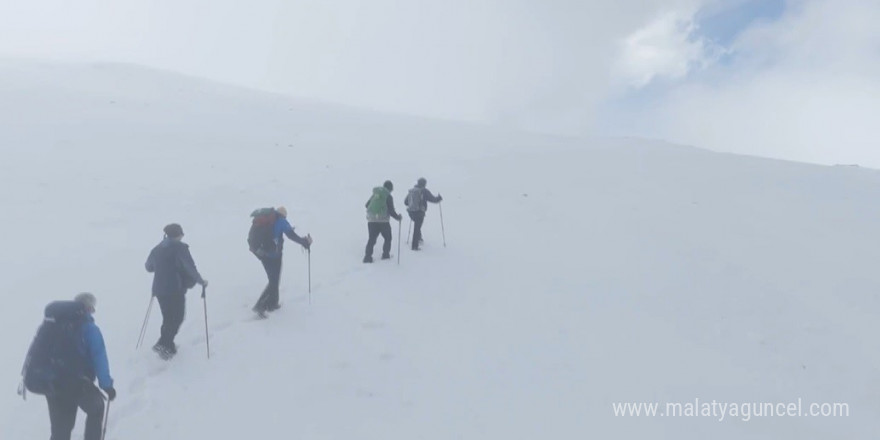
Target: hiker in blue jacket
82, 393
174, 273
271, 259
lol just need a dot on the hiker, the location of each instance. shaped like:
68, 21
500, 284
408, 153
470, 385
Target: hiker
66, 357
266, 241
380, 209
416, 206
174, 272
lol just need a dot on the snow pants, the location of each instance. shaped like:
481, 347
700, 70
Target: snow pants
63, 407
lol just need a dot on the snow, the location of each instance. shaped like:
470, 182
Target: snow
578, 273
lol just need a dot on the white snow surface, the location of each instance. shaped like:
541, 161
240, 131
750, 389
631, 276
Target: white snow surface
578, 273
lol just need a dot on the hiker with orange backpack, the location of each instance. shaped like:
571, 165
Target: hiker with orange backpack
266, 242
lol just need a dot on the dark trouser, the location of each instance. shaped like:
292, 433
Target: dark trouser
418, 218
269, 298
63, 406
374, 229
173, 310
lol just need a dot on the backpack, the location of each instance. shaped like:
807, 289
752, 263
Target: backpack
55, 359
377, 207
186, 280
260, 237
415, 200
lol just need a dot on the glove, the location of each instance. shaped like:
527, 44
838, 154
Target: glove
204, 283
111, 393
439, 197
399, 217
308, 244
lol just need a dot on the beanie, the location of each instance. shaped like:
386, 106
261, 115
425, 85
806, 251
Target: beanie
281, 210
173, 230
388, 185
422, 182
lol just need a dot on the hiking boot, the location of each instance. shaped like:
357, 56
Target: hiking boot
368, 259
273, 308
386, 256
260, 310
165, 352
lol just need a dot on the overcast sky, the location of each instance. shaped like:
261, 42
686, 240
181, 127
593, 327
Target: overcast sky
797, 79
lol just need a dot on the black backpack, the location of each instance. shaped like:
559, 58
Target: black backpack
55, 359
260, 237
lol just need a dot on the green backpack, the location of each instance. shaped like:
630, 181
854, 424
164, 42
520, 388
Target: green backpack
377, 208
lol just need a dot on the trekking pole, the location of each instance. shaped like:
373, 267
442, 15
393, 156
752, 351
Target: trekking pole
207, 337
442, 228
310, 276
309, 250
399, 229
408, 231
144, 327
106, 416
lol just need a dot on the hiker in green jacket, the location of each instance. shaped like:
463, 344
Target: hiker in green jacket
380, 209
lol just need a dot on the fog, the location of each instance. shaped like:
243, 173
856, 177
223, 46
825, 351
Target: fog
798, 83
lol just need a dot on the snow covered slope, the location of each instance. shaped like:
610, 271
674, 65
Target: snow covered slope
577, 273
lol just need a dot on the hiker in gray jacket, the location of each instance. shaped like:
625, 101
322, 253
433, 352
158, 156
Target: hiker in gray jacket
416, 206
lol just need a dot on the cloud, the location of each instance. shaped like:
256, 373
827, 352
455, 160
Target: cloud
805, 87
668, 47
542, 65
800, 83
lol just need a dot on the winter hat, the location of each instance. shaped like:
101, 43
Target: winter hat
422, 182
87, 299
388, 185
282, 210
173, 230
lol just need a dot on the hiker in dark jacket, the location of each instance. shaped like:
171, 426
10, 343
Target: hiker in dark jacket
82, 393
174, 273
416, 206
269, 300
380, 210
